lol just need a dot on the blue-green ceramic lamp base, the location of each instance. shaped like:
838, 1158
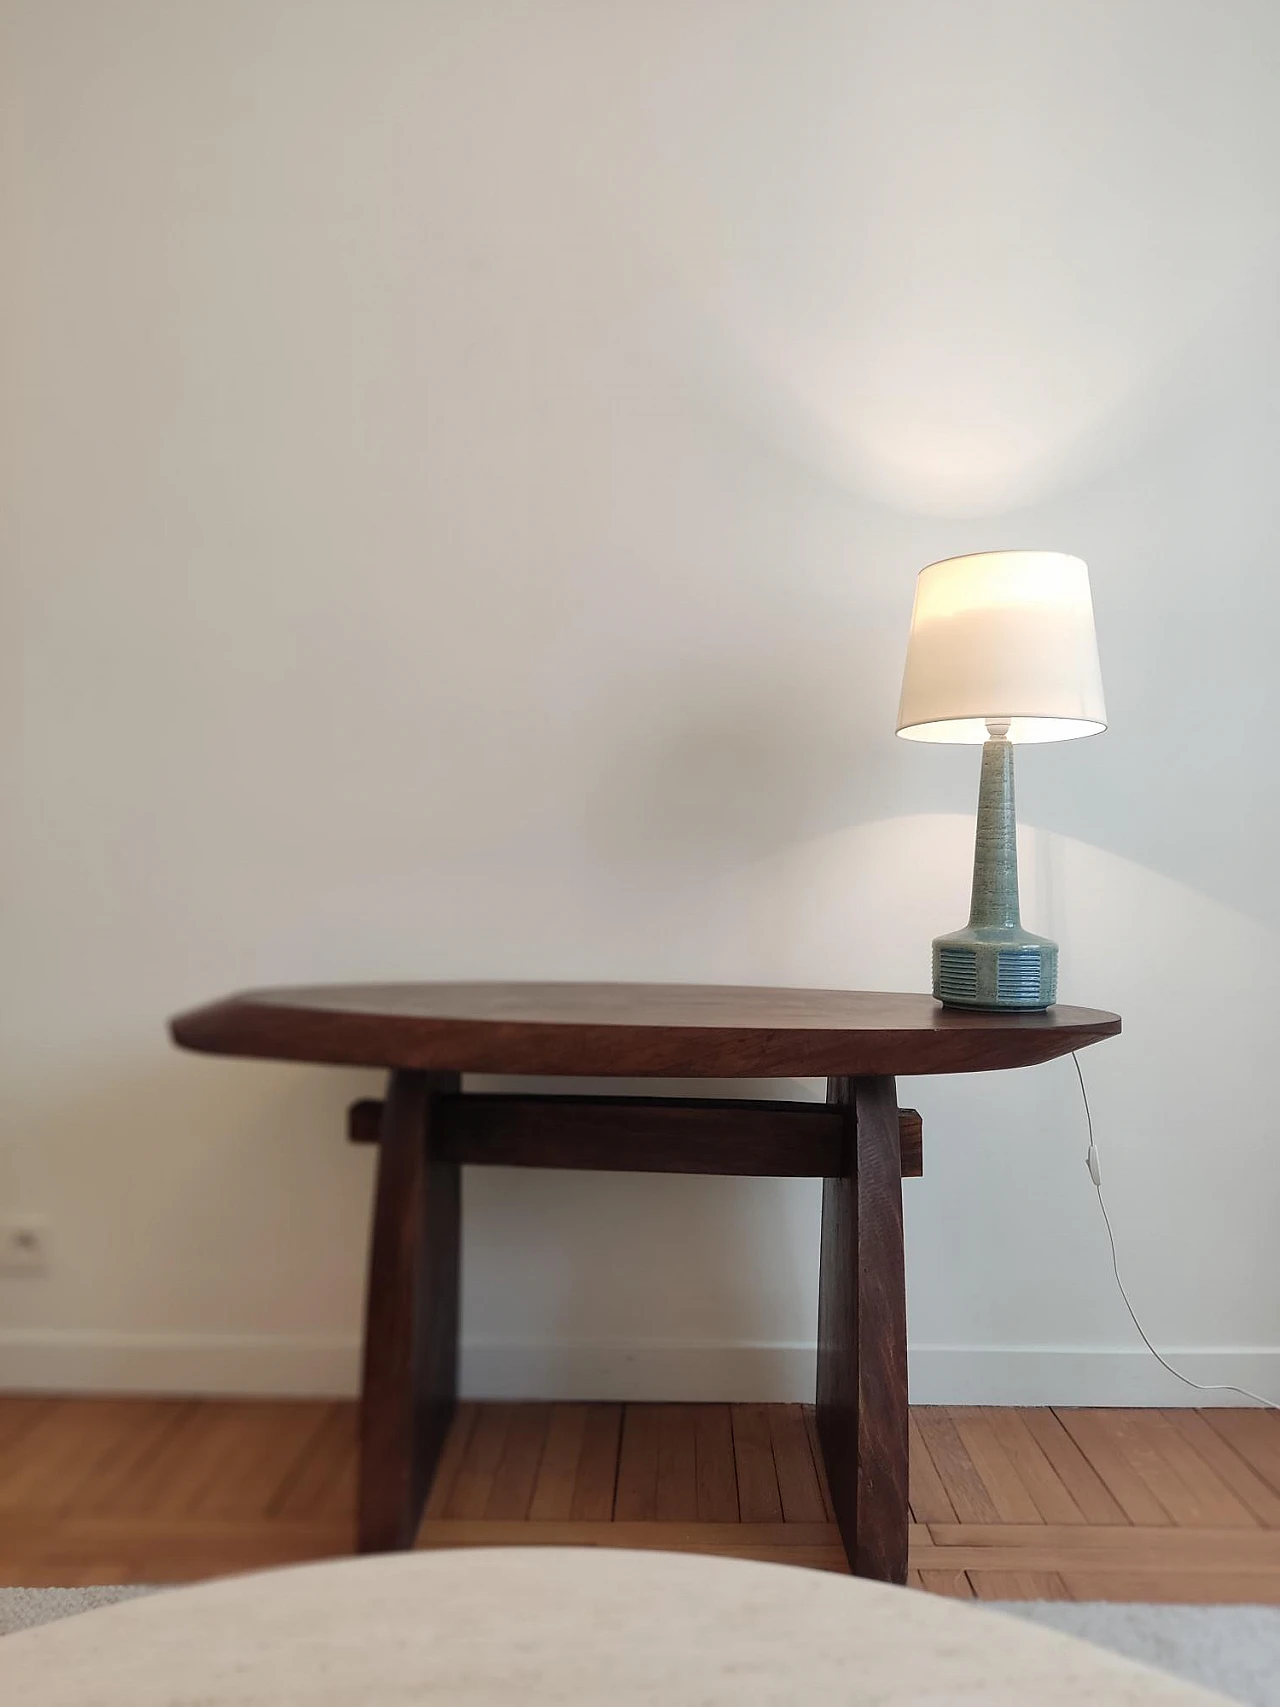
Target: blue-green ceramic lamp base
995, 969
993, 963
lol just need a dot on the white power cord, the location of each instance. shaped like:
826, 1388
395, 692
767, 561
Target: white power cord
1095, 1174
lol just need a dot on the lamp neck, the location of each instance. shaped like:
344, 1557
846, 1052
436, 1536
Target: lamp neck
995, 858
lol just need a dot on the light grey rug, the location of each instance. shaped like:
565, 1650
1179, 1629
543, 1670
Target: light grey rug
23, 1608
1233, 1649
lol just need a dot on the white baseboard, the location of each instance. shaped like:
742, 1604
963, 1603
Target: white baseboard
96, 1361
642, 1369
36, 1360
1087, 1375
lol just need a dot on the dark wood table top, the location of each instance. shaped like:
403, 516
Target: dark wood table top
670, 1030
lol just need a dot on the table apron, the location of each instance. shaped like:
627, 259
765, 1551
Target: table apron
693, 1135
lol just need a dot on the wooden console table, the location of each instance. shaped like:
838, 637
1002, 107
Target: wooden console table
428, 1035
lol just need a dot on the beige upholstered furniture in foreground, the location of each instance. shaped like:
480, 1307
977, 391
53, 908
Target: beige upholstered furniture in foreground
493, 1626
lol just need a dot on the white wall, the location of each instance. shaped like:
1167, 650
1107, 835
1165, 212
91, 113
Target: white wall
464, 471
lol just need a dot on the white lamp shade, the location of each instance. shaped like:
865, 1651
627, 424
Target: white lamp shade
1002, 637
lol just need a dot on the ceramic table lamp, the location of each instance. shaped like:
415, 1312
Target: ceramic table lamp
1002, 650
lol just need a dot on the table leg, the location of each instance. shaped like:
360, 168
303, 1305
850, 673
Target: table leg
862, 1333
411, 1316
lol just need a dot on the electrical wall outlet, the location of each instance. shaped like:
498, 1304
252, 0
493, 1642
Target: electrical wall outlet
24, 1245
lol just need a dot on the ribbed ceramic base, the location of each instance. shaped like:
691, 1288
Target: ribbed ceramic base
995, 968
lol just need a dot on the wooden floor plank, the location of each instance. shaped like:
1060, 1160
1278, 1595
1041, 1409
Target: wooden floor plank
1255, 1436
830, 1558
468, 1497
511, 1493
1018, 1585
1210, 1502
1178, 1547
323, 1483
1228, 1465
257, 1456
717, 1477
930, 1502
643, 1532
104, 1535
171, 1550
677, 1495
32, 1572
1109, 1458
995, 1467
819, 1462
1172, 1588
636, 1499
451, 1456
1166, 1505
113, 1476
74, 1445
758, 1498
21, 1412
1048, 1558
793, 1465
1086, 1488
954, 1584
964, 1486
799, 1558
252, 1452
1134, 1436
1049, 1493
597, 1478
557, 1473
